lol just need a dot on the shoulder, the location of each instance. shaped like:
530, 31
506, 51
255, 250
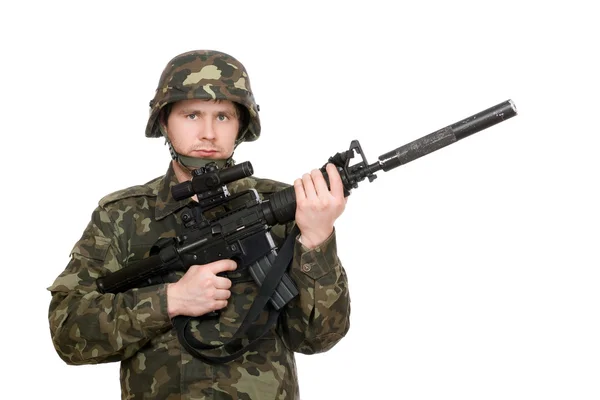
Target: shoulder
268, 186
149, 189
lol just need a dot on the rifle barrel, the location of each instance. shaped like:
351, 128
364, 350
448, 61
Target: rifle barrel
446, 136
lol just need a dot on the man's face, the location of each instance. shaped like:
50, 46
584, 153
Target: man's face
203, 128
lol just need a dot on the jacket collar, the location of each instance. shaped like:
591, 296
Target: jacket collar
165, 203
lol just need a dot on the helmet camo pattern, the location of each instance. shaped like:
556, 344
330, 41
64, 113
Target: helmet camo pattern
208, 75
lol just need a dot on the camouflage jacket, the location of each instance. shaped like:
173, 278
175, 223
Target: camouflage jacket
133, 327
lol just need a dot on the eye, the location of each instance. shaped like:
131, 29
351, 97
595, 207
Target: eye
222, 117
191, 116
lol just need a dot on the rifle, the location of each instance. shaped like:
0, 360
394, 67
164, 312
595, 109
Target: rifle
242, 233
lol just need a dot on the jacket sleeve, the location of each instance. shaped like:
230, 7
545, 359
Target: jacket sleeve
88, 327
319, 317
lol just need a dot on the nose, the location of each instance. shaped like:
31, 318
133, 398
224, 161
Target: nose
207, 130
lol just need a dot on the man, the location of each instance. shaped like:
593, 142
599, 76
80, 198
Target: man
204, 107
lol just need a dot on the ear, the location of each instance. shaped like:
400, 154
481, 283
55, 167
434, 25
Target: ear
163, 127
162, 118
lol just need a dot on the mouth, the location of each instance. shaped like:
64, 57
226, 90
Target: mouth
204, 153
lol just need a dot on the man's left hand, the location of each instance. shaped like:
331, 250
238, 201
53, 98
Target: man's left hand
317, 206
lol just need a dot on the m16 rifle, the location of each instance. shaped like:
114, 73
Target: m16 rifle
242, 232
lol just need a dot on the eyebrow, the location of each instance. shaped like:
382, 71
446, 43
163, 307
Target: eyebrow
187, 111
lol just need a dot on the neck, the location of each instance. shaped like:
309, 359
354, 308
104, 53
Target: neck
182, 173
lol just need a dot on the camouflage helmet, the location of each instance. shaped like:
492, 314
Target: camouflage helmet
209, 75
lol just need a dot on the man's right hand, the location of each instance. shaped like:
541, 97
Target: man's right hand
200, 290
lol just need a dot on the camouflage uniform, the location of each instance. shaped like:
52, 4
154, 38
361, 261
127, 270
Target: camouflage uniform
133, 327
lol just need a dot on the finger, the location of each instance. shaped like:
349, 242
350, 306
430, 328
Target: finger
335, 181
319, 182
219, 304
222, 282
299, 189
222, 266
222, 294
309, 187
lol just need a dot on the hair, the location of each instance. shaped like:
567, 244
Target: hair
242, 114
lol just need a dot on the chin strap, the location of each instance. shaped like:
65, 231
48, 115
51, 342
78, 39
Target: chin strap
192, 163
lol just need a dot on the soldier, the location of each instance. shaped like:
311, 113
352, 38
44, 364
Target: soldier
204, 108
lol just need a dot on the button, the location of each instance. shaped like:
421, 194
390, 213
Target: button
306, 268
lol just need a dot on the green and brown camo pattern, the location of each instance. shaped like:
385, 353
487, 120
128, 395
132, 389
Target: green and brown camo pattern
208, 75
88, 327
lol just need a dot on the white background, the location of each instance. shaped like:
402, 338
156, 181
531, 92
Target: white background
473, 271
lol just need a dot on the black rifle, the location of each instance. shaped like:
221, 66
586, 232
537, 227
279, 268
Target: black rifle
242, 232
